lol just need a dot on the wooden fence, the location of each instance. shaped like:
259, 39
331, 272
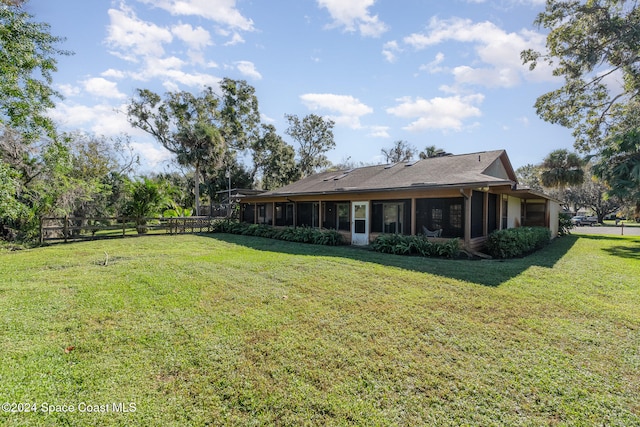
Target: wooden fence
70, 228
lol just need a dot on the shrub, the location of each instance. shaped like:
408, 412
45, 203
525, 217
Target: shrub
517, 242
290, 234
415, 245
564, 224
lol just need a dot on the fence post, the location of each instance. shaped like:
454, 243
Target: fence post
41, 230
65, 228
124, 227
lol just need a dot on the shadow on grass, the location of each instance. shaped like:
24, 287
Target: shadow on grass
483, 272
629, 250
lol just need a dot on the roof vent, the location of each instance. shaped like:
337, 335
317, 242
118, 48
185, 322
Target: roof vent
345, 173
411, 162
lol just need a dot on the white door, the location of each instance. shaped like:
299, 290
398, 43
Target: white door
360, 223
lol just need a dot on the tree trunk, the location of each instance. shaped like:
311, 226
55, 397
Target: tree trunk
196, 178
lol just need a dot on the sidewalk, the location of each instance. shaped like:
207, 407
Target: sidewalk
609, 230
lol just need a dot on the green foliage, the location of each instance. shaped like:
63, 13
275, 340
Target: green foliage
517, 242
10, 207
27, 63
400, 244
561, 168
273, 160
146, 201
299, 235
587, 43
314, 134
564, 224
619, 166
176, 211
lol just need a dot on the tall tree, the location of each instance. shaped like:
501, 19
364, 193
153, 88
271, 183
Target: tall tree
560, 169
184, 124
27, 62
401, 151
590, 44
314, 135
273, 160
239, 113
618, 165
529, 175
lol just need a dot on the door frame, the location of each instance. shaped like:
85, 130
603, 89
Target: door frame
360, 239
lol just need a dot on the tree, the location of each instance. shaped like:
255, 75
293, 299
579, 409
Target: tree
529, 175
146, 200
273, 159
314, 135
618, 165
432, 151
401, 151
184, 124
27, 62
560, 169
239, 114
591, 41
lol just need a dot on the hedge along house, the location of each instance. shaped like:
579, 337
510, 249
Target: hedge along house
465, 196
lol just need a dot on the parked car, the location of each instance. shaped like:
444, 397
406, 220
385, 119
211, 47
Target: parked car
581, 220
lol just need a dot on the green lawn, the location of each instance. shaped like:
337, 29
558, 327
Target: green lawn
230, 330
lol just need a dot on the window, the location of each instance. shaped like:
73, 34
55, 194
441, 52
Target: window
391, 217
307, 215
436, 218
445, 214
284, 214
335, 216
343, 216
455, 216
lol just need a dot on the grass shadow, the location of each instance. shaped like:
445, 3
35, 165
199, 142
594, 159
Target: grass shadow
629, 250
483, 272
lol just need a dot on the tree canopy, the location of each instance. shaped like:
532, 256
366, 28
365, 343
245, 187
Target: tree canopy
314, 135
27, 62
594, 46
401, 151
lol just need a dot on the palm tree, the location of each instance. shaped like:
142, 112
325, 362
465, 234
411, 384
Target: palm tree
561, 169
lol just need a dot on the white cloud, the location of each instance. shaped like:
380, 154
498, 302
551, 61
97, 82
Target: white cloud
68, 90
379, 132
354, 15
223, 12
437, 113
248, 69
116, 74
348, 109
152, 154
101, 119
133, 38
389, 50
196, 38
104, 88
497, 52
434, 66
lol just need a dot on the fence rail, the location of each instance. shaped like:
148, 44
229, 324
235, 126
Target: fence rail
71, 228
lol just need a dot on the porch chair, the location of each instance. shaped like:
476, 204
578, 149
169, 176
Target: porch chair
429, 233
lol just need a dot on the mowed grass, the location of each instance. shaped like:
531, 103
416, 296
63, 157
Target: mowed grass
231, 330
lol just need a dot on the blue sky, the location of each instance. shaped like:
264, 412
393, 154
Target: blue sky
443, 73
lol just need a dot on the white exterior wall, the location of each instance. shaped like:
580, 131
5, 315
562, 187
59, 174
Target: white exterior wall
554, 218
514, 212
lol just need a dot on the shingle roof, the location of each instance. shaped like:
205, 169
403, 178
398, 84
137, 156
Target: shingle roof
486, 168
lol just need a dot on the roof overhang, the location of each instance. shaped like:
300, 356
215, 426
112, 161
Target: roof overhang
476, 185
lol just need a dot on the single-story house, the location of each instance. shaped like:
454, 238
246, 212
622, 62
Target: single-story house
466, 196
